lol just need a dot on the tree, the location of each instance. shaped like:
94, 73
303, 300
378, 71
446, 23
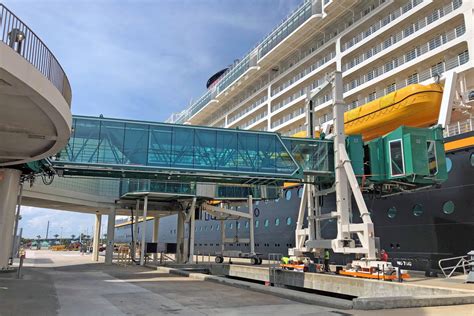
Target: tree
73, 236
56, 236
38, 236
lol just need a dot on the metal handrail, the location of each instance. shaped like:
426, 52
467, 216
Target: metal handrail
15, 33
462, 262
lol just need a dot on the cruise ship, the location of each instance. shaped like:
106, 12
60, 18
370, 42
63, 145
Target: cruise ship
381, 47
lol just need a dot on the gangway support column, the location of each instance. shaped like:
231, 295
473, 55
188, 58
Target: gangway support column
9, 187
180, 237
95, 245
251, 225
192, 223
156, 227
109, 251
135, 230
143, 243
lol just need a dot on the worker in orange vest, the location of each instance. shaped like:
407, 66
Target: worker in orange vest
383, 255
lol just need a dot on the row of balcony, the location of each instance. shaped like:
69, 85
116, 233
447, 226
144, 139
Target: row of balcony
408, 31
396, 62
381, 23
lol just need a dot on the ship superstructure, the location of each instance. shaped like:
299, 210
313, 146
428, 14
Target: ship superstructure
379, 46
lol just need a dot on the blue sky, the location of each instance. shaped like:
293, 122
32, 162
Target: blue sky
141, 59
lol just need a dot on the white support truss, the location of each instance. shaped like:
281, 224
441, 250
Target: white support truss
309, 239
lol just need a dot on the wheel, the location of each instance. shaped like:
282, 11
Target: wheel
219, 259
260, 261
254, 260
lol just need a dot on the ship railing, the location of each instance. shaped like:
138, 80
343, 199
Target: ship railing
459, 127
15, 33
462, 262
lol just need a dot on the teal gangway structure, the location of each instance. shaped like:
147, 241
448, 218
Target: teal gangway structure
128, 149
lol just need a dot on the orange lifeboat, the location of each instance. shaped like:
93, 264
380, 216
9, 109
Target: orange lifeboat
415, 105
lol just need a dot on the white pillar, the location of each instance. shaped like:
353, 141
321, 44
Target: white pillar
192, 225
17, 219
135, 230
251, 225
109, 252
9, 187
143, 243
180, 237
156, 227
96, 242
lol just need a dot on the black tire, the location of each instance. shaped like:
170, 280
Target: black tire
260, 261
219, 259
254, 260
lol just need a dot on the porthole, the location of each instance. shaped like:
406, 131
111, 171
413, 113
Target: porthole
288, 221
256, 223
418, 210
266, 223
449, 164
448, 207
288, 195
392, 212
300, 192
256, 212
277, 221
471, 159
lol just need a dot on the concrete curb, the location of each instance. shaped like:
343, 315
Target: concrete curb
371, 303
361, 303
298, 296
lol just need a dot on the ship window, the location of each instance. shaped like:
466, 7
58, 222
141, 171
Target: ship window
396, 158
277, 221
257, 203
392, 212
256, 223
288, 221
231, 226
288, 195
238, 225
247, 224
418, 210
218, 227
212, 228
471, 159
300, 192
432, 161
448, 207
449, 164
266, 223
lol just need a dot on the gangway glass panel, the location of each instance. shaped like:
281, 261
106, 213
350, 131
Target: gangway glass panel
109, 144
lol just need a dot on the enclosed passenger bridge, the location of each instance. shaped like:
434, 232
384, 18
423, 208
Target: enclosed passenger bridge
104, 147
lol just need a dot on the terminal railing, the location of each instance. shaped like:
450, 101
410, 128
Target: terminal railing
15, 33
